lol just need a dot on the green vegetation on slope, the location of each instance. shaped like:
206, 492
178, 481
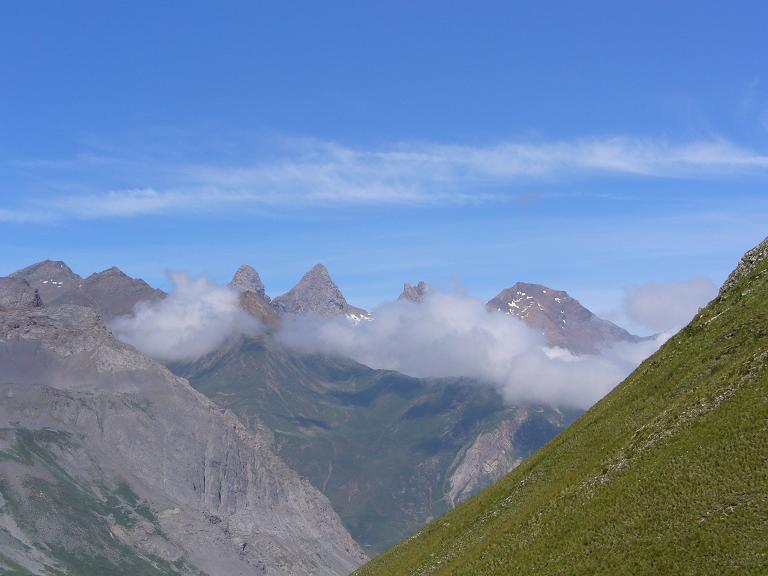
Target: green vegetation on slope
666, 475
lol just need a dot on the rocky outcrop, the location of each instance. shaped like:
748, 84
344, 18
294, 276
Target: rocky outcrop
246, 279
485, 461
317, 293
746, 265
253, 297
564, 322
219, 496
17, 293
414, 294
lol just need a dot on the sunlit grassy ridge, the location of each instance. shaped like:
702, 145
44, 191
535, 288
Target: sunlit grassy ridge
666, 475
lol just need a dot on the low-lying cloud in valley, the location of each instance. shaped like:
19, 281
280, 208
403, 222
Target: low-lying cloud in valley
448, 335
197, 317
451, 335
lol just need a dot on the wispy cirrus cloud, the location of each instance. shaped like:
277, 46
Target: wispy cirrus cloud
314, 172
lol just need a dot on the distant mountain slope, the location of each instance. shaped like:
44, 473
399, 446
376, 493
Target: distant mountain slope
389, 451
110, 464
561, 318
668, 474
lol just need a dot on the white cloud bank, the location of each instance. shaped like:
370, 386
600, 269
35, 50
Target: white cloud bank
448, 335
666, 306
451, 335
196, 318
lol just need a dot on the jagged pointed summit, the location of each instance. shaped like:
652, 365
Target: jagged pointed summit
561, 318
317, 293
253, 297
413, 293
246, 279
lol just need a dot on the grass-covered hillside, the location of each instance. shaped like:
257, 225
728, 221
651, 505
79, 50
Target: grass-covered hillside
666, 475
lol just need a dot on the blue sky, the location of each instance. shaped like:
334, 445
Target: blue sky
590, 146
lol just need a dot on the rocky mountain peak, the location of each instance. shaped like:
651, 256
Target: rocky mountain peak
113, 271
246, 279
562, 319
317, 293
50, 277
413, 293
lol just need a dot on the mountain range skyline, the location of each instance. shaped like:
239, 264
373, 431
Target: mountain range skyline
443, 161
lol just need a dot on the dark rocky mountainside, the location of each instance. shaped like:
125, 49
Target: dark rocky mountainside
389, 451
562, 319
110, 464
111, 292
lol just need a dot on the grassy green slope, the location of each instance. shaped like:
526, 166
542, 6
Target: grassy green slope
379, 444
666, 475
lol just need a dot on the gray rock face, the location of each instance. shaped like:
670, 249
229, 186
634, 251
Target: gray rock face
51, 278
317, 293
485, 461
562, 319
246, 279
414, 294
220, 498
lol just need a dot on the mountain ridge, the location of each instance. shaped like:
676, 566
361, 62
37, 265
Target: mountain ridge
112, 464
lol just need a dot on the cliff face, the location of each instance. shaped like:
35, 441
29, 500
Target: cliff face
216, 497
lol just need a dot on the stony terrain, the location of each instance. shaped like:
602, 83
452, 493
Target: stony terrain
110, 464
